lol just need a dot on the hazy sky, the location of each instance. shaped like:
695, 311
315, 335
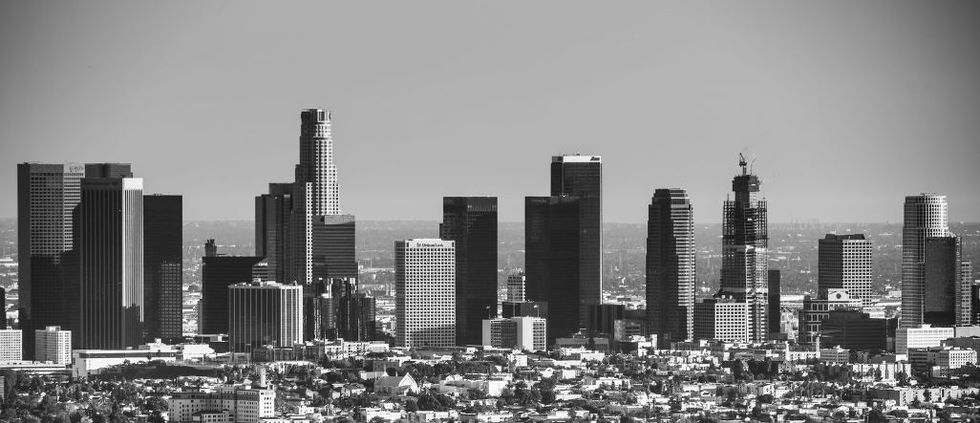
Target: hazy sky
846, 106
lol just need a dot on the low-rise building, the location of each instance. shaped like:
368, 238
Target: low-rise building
244, 404
88, 362
924, 336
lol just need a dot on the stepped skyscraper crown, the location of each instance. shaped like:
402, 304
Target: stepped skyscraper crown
316, 166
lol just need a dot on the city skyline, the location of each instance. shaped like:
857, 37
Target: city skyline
658, 82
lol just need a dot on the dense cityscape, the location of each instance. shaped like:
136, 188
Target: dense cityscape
117, 309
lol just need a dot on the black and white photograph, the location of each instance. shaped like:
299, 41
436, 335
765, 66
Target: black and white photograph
468, 211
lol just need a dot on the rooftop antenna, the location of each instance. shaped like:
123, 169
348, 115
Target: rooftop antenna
742, 163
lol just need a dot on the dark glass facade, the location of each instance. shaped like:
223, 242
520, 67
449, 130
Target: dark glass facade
857, 331
163, 266
334, 275
581, 177
551, 234
263, 313
109, 243
217, 274
942, 281
47, 195
524, 308
774, 302
602, 318
670, 266
272, 225
472, 223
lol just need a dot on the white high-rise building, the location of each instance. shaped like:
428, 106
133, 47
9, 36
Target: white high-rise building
53, 344
845, 263
11, 345
425, 293
926, 216
316, 165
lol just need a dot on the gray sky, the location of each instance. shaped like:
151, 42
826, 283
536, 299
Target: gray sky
846, 106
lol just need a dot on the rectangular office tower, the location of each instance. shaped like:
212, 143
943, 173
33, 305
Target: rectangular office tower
334, 275
472, 223
775, 308
53, 344
272, 226
46, 198
552, 250
947, 300
745, 238
217, 274
425, 293
264, 313
109, 240
845, 263
670, 266
515, 288
163, 266
581, 177
926, 216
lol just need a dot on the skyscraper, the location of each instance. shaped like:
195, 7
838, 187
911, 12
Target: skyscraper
273, 214
316, 165
46, 198
334, 272
472, 223
581, 177
264, 313
844, 262
109, 240
551, 237
926, 216
217, 274
745, 251
425, 293
163, 279
947, 294
670, 267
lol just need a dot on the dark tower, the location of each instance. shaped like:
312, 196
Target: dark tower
775, 311
581, 177
551, 234
745, 241
334, 274
670, 266
163, 266
46, 198
217, 274
472, 223
272, 225
109, 244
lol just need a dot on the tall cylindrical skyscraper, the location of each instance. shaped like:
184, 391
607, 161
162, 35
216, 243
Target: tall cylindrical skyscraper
670, 266
926, 216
